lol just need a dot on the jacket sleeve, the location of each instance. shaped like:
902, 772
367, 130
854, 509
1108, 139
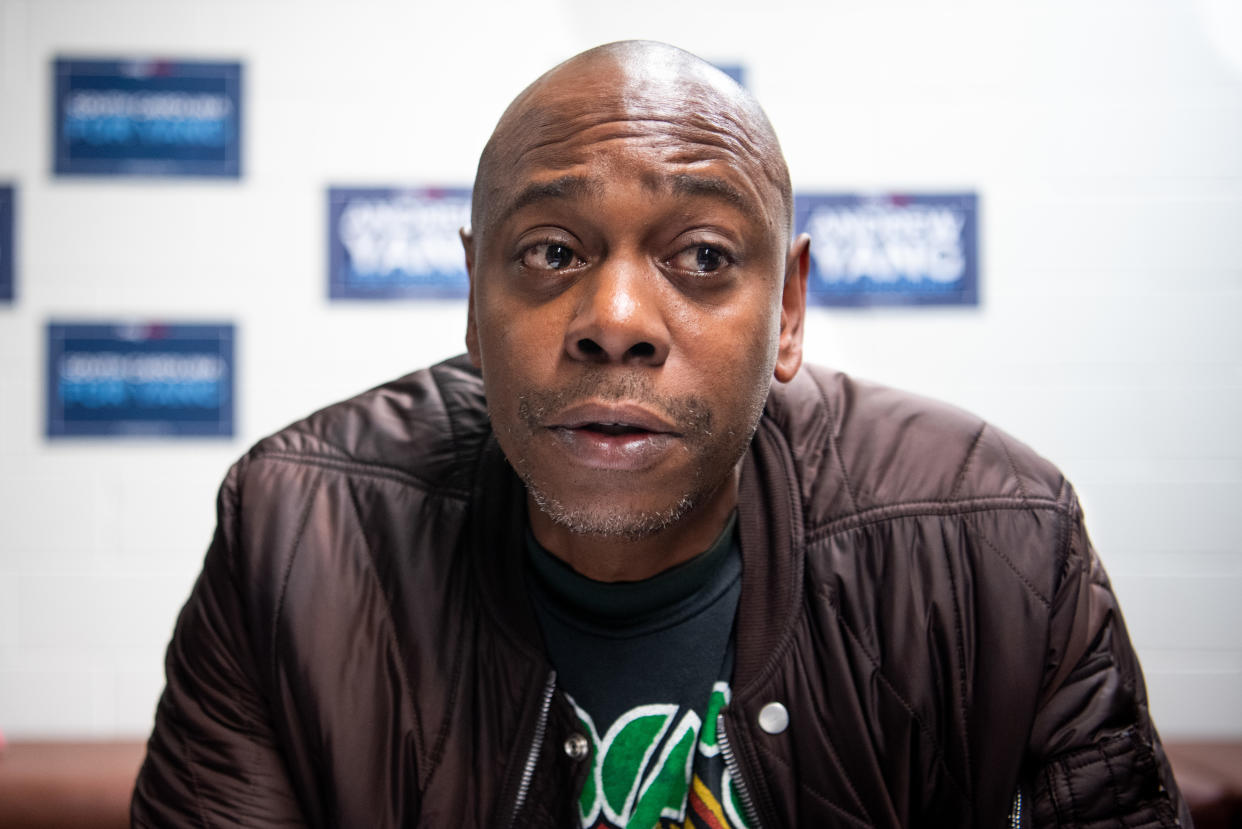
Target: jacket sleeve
1095, 754
212, 759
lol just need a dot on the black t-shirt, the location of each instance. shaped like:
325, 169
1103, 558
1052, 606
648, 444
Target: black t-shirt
645, 665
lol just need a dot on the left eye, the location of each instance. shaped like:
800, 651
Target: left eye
700, 259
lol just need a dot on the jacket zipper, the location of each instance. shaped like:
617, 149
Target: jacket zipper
1015, 812
735, 773
532, 756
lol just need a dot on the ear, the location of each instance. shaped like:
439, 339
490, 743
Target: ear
472, 328
793, 309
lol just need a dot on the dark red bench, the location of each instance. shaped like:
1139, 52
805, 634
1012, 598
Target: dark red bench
45, 784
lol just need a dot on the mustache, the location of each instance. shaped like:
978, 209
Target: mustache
690, 413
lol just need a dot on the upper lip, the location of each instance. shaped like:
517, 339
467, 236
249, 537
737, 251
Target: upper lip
615, 414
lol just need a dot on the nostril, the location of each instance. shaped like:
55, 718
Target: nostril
642, 350
589, 347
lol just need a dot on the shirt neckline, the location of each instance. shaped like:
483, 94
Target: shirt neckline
629, 601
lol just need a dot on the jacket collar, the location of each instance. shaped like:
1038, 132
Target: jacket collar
769, 527
496, 529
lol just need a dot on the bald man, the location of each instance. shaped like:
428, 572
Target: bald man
628, 563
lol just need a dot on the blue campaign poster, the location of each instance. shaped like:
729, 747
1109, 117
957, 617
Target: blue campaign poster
736, 71
8, 209
394, 243
147, 117
140, 380
891, 249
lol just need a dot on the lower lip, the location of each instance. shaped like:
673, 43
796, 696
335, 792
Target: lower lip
627, 452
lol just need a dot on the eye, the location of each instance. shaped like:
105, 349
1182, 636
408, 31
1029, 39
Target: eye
700, 259
549, 256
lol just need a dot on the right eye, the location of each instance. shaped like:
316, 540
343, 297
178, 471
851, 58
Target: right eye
549, 256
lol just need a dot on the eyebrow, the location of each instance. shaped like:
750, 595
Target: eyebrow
689, 184
565, 187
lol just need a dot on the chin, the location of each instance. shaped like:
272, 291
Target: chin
609, 520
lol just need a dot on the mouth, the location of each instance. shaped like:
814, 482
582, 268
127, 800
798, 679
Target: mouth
613, 419
617, 437
612, 429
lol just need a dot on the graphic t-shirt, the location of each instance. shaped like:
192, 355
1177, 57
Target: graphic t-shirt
646, 666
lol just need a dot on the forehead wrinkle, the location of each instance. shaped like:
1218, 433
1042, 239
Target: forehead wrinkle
550, 127
586, 187
555, 149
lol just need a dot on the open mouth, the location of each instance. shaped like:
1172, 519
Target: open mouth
618, 438
615, 429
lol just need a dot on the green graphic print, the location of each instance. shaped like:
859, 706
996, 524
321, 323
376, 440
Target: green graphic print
657, 766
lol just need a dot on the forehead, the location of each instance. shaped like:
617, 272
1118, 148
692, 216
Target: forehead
675, 133
618, 155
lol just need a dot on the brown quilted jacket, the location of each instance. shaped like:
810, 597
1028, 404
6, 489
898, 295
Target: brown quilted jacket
918, 590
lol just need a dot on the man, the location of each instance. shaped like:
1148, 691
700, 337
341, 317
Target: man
704, 598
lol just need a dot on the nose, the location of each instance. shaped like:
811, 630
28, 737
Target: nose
618, 317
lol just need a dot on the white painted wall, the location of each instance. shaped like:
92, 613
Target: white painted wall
1104, 138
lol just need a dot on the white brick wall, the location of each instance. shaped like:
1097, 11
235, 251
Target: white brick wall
1104, 139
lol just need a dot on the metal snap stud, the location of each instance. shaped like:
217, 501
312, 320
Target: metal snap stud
773, 718
577, 747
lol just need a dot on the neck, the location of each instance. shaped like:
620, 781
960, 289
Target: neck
617, 558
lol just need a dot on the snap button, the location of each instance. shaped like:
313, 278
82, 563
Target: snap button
773, 718
577, 747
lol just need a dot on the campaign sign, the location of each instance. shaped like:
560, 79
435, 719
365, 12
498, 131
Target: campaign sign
7, 209
388, 243
736, 71
147, 117
891, 249
140, 380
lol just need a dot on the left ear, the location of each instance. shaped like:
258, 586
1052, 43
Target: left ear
472, 327
793, 309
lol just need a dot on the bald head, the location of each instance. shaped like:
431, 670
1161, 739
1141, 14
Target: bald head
613, 87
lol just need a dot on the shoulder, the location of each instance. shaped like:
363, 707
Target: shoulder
426, 428
353, 488
860, 447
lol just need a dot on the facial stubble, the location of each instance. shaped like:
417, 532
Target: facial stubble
713, 456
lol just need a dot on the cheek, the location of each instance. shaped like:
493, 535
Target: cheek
515, 331
737, 345
518, 348
766, 328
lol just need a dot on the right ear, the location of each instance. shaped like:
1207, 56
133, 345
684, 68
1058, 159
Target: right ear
472, 328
